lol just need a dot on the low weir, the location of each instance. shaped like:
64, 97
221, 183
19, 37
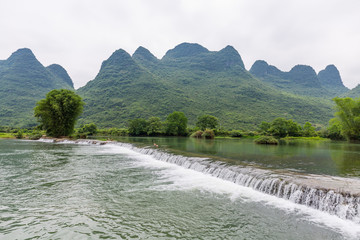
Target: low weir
334, 195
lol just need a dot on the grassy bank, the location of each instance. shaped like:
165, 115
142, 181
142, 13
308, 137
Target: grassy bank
305, 139
6, 135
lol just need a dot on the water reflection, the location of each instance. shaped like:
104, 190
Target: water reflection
318, 157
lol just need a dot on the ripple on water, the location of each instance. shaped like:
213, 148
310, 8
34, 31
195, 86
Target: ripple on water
102, 193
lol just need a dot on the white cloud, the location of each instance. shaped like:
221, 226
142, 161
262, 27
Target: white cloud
80, 34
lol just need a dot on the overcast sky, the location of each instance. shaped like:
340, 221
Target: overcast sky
80, 34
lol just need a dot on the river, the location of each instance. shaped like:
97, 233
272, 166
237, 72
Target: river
185, 189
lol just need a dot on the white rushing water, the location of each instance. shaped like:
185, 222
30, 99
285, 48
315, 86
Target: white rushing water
335, 209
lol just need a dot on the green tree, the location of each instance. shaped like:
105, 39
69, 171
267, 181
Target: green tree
334, 130
293, 128
154, 127
207, 122
309, 130
176, 124
138, 127
58, 112
264, 126
348, 115
89, 129
280, 127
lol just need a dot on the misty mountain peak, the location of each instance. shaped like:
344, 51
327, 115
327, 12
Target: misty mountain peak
330, 76
232, 56
120, 59
23, 56
61, 73
185, 50
259, 68
143, 54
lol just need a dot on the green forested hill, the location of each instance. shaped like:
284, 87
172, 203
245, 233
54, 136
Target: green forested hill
194, 80
301, 79
189, 78
330, 79
24, 81
353, 93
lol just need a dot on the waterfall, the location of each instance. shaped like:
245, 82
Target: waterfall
341, 204
287, 186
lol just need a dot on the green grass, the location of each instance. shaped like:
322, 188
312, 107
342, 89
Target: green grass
6, 135
305, 139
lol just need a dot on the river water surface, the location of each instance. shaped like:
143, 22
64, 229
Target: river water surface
115, 191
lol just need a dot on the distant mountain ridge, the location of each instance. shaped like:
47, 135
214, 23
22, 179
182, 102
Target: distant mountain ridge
189, 78
192, 79
24, 81
301, 79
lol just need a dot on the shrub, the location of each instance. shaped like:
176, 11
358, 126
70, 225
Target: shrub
266, 140
197, 134
35, 135
208, 134
236, 133
88, 129
19, 134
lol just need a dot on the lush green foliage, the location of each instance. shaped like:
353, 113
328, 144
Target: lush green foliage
208, 134
280, 127
301, 79
195, 81
207, 121
236, 133
348, 116
113, 132
189, 78
308, 130
19, 134
58, 112
138, 127
23, 82
155, 127
266, 140
197, 134
264, 127
334, 130
176, 124
88, 129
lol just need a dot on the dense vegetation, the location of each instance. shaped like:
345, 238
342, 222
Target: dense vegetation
58, 112
193, 80
188, 79
347, 118
23, 82
345, 125
301, 80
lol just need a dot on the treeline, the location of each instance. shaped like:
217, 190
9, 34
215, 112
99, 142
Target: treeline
176, 124
29, 133
345, 125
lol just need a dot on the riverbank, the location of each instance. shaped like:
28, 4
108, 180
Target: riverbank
6, 135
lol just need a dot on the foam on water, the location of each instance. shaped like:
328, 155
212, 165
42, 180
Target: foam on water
181, 178
183, 173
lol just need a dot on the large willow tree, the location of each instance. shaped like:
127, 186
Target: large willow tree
58, 112
348, 115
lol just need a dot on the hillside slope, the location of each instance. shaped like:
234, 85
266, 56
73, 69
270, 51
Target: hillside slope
301, 79
194, 80
24, 81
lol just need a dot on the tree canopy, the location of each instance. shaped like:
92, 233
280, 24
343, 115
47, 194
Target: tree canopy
58, 112
207, 121
280, 127
348, 116
176, 124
